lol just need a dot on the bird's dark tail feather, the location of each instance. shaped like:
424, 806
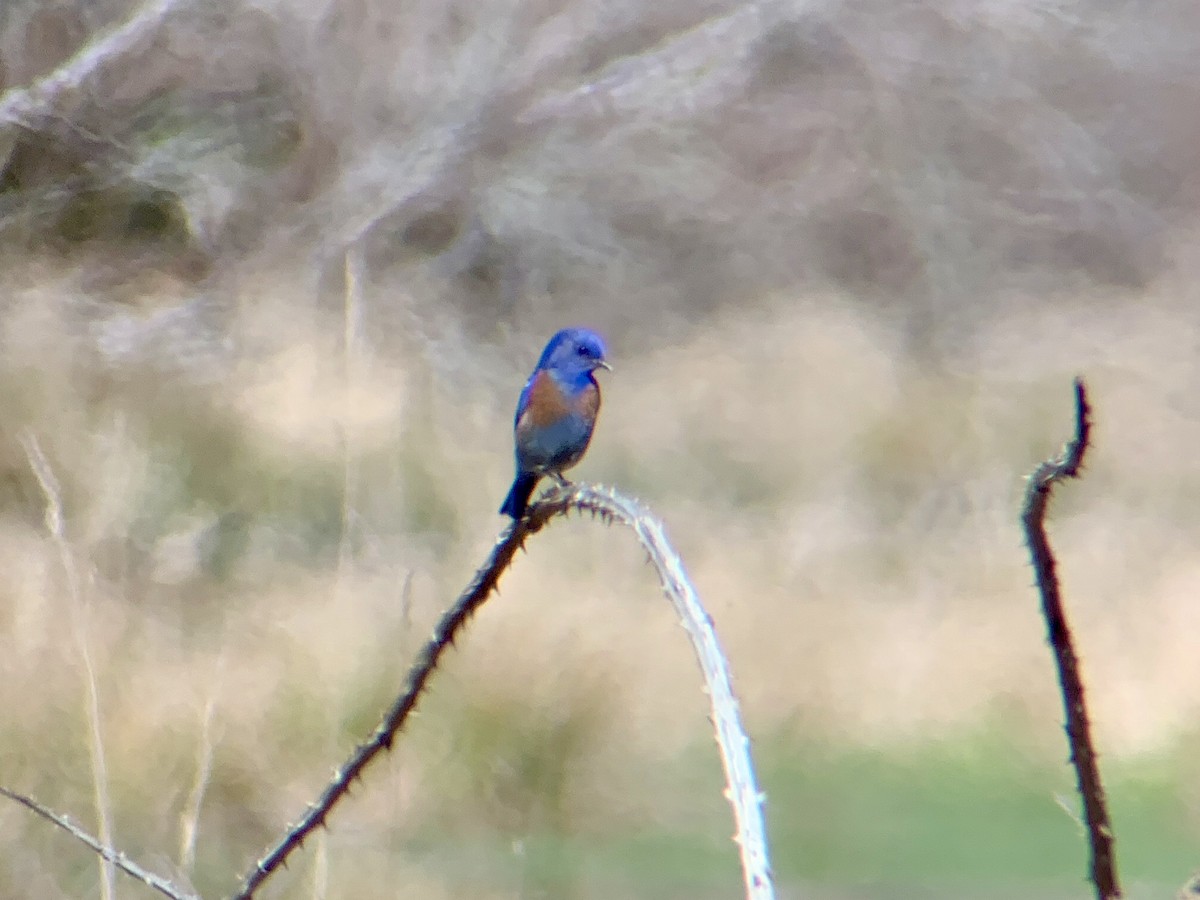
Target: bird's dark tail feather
518, 498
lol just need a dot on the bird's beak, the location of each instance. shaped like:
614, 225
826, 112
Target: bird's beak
601, 364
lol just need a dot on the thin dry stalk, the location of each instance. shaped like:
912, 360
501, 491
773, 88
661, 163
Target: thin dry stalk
320, 871
354, 272
190, 818
54, 525
107, 853
732, 741
1083, 754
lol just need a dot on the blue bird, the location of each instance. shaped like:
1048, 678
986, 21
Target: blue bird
556, 412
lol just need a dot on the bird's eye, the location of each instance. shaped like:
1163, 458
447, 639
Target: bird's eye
582, 350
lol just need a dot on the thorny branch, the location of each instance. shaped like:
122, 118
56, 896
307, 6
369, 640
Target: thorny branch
732, 741
1083, 754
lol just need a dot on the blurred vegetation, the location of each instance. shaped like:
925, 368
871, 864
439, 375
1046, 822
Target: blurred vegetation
848, 258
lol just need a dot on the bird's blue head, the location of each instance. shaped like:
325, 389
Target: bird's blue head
574, 351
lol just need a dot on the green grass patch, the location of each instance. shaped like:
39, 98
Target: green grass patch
974, 819
975, 816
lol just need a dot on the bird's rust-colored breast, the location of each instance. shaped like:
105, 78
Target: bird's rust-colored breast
549, 404
587, 404
546, 405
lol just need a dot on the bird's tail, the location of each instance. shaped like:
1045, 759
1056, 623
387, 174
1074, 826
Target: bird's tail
518, 498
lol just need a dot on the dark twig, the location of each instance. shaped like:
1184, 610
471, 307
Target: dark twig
118, 859
444, 633
1083, 755
734, 745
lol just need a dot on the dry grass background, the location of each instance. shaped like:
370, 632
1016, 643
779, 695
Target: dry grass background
848, 257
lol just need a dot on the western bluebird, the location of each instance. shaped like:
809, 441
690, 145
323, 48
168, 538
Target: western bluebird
556, 413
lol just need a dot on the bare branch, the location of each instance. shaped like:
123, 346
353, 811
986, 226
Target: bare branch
41, 106
694, 70
1083, 755
111, 856
732, 741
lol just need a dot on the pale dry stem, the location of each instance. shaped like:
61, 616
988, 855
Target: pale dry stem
54, 525
352, 312
189, 820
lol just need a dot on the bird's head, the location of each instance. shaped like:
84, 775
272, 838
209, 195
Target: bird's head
575, 350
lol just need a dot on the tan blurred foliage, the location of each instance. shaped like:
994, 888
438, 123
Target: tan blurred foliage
848, 255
